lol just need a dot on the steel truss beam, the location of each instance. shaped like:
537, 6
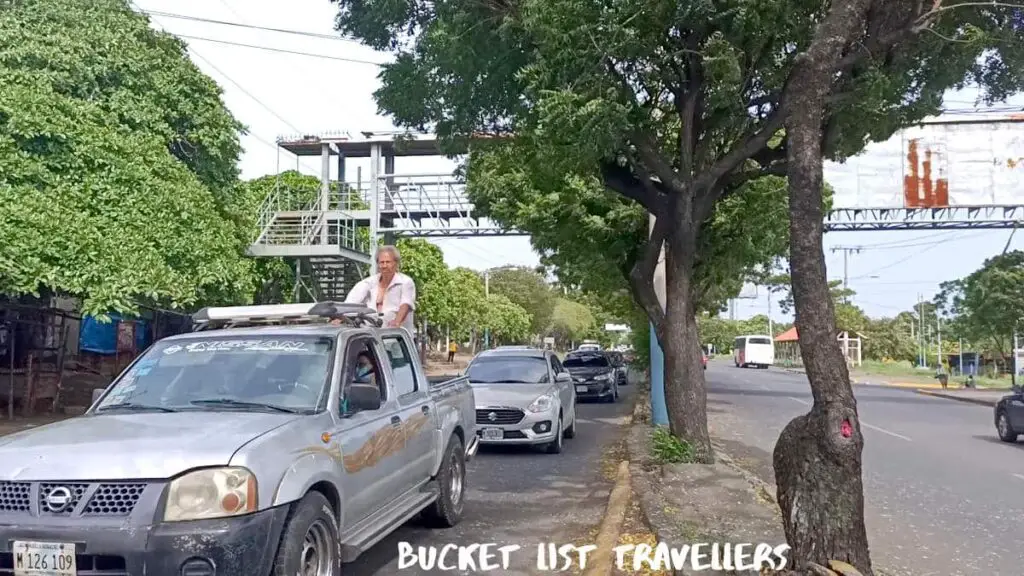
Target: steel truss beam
949, 218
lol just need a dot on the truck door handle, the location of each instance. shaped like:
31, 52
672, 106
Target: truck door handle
425, 409
396, 421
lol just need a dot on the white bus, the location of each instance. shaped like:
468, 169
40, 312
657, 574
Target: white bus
755, 350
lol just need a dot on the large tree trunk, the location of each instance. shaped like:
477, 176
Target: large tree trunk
817, 458
685, 394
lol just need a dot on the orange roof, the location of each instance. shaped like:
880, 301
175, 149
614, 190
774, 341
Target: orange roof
787, 336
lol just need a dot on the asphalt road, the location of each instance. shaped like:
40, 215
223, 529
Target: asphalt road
524, 497
943, 495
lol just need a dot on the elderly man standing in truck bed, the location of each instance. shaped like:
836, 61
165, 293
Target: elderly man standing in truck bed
389, 292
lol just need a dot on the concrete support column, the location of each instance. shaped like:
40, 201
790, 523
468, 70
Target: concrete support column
325, 187
389, 200
375, 195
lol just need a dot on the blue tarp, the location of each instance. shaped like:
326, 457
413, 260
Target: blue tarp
101, 337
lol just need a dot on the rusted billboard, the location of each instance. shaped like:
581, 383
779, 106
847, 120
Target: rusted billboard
968, 161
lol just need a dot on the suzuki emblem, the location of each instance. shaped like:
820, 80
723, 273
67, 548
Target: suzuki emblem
492, 416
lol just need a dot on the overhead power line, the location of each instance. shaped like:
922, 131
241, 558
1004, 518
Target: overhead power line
279, 50
250, 26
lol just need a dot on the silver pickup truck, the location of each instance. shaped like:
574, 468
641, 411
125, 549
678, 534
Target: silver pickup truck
274, 440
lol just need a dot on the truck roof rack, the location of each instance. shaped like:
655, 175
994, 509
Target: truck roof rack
355, 315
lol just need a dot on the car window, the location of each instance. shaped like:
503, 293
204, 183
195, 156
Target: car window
759, 340
508, 370
362, 366
401, 366
286, 371
593, 360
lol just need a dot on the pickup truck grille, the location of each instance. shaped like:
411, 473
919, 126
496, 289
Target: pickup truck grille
502, 417
101, 499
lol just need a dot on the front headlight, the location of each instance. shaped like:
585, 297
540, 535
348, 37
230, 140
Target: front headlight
542, 404
606, 376
212, 493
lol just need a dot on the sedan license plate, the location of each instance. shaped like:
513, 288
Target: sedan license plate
581, 389
493, 434
44, 559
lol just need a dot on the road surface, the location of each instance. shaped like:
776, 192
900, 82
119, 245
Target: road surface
521, 496
943, 495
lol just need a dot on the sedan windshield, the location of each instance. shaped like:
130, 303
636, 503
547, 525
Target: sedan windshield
266, 374
508, 370
586, 361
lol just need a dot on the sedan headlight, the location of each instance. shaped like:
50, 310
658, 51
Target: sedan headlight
212, 493
542, 404
606, 376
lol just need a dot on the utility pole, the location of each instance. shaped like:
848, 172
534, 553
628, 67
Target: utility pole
1013, 377
846, 250
922, 361
487, 294
771, 333
938, 335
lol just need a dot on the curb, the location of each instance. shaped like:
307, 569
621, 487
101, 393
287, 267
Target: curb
978, 401
611, 524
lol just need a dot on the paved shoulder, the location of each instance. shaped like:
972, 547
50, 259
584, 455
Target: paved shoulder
519, 496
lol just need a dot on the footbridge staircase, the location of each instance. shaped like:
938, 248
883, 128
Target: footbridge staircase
331, 230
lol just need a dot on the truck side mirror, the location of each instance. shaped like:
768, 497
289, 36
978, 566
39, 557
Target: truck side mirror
364, 397
97, 393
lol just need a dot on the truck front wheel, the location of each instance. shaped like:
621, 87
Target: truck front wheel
446, 511
310, 542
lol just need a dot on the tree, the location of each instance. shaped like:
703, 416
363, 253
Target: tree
571, 321
527, 289
677, 105
866, 71
507, 322
988, 304
424, 263
468, 302
117, 163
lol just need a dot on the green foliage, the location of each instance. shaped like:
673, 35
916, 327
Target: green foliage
117, 163
424, 263
507, 322
668, 449
456, 300
527, 289
571, 322
988, 304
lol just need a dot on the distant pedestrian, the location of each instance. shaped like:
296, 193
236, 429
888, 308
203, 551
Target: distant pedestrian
452, 349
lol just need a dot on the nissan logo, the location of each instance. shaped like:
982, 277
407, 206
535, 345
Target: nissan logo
58, 499
492, 416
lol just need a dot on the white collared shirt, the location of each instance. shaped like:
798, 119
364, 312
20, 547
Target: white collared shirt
402, 290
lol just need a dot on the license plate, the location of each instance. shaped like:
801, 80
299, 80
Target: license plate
493, 434
44, 559
581, 389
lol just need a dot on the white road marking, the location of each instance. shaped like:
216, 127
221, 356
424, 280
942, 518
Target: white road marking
864, 424
1019, 476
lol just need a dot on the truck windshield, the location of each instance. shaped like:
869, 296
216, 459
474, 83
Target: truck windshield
586, 361
265, 373
508, 370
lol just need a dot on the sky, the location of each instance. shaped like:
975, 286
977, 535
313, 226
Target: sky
321, 83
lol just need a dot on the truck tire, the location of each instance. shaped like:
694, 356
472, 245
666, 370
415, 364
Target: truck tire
446, 511
310, 536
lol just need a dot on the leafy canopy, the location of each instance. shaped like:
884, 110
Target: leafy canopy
571, 322
117, 163
988, 304
527, 289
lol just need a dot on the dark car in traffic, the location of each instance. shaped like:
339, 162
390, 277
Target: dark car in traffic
593, 374
1009, 416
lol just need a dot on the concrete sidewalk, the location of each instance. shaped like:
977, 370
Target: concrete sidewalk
982, 397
